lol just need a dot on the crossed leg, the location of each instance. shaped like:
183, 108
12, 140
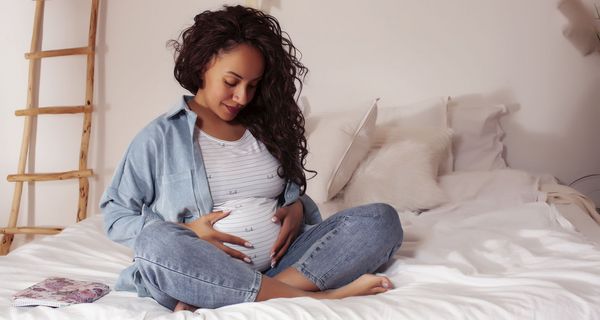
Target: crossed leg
335, 258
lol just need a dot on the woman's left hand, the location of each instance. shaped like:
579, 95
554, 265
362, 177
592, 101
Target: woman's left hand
291, 218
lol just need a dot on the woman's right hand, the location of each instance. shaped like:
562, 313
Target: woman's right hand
203, 227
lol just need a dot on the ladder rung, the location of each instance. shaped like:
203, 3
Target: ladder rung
58, 53
31, 230
50, 176
53, 110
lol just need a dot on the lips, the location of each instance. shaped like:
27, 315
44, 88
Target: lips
232, 110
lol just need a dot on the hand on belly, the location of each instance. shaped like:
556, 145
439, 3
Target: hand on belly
250, 219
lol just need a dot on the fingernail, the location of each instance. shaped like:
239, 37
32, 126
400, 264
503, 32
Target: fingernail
274, 219
247, 260
226, 211
248, 245
385, 284
273, 262
272, 254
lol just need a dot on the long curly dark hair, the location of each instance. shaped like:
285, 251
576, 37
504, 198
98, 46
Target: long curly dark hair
273, 115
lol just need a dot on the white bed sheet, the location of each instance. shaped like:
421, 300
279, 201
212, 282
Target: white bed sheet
494, 252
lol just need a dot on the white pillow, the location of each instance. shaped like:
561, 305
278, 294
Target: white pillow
401, 173
411, 120
438, 140
477, 143
337, 142
503, 187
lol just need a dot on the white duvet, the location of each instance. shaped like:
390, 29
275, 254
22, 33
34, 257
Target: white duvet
492, 253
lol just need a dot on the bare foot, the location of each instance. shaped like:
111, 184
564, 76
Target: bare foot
367, 284
184, 306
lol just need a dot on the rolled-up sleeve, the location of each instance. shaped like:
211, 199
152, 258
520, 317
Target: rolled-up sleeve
291, 194
125, 203
312, 215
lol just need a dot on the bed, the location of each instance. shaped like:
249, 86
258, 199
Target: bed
481, 240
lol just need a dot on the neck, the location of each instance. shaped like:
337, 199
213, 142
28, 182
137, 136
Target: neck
205, 115
215, 126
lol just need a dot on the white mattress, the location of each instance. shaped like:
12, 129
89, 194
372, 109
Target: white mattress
494, 252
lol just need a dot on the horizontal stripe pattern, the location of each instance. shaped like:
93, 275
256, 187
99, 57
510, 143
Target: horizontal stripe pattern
250, 219
239, 169
242, 177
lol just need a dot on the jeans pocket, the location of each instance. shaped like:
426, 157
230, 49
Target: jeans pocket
176, 200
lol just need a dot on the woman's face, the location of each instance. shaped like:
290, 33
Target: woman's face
230, 81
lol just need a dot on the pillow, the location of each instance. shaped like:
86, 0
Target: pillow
337, 142
401, 173
503, 188
410, 120
477, 143
438, 140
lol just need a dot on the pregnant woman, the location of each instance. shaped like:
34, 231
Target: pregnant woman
211, 195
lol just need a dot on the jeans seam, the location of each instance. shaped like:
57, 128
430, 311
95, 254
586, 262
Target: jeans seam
253, 291
255, 287
321, 281
156, 288
302, 269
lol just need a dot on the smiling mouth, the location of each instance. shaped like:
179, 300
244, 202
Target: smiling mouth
232, 110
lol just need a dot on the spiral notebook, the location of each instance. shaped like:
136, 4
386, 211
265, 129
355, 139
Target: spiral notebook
60, 292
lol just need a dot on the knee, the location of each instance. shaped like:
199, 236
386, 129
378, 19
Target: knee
158, 249
159, 238
386, 223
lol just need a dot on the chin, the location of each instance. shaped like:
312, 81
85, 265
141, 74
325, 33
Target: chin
228, 118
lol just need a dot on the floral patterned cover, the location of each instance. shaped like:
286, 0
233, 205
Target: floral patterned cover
59, 292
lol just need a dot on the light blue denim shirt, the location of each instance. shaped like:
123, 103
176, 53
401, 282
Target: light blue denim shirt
162, 176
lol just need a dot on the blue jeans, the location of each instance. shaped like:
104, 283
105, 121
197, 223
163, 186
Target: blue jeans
176, 265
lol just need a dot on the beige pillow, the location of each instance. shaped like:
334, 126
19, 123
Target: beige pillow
414, 119
478, 134
401, 173
337, 143
438, 140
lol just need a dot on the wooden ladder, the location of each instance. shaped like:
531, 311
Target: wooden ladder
32, 110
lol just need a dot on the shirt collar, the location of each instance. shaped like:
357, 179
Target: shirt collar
180, 106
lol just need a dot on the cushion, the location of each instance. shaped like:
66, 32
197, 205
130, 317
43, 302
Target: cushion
413, 120
477, 143
337, 142
401, 173
502, 188
438, 140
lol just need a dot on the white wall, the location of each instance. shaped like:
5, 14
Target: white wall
511, 51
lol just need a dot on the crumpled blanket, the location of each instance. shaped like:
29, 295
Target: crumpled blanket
561, 194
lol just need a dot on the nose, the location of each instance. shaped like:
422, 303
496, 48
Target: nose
241, 96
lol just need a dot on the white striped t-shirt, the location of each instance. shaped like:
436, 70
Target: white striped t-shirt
239, 169
242, 177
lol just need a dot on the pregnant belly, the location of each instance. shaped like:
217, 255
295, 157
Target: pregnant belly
250, 219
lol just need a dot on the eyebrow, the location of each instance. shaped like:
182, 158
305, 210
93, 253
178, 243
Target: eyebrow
238, 76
